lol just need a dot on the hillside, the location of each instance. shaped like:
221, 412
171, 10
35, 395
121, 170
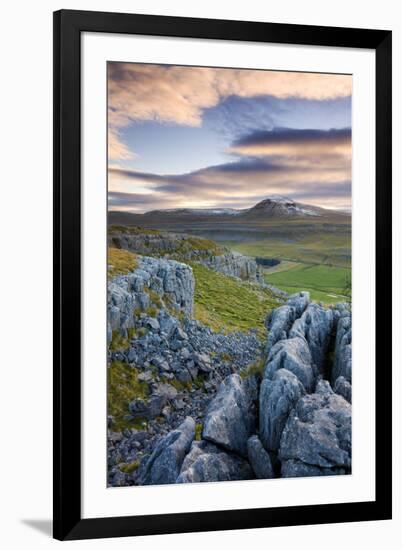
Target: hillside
312, 246
187, 403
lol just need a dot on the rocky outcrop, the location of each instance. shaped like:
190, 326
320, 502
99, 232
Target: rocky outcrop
299, 302
208, 462
280, 320
167, 281
301, 417
318, 430
278, 323
230, 421
187, 248
175, 246
164, 464
278, 396
315, 326
235, 265
287, 421
293, 355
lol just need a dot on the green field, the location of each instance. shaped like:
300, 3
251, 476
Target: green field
319, 248
325, 283
319, 262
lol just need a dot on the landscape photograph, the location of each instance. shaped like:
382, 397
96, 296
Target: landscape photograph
229, 274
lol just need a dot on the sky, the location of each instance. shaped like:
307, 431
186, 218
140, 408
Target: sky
201, 137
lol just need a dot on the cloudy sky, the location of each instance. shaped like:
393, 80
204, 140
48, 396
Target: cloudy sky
207, 137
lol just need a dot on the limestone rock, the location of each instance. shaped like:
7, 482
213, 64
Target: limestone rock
229, 421
294, 355
164, 464
318, 430
278, 323
207, 462
344, 388
259, 459
277, 398
299, 301
343, 348
315, 326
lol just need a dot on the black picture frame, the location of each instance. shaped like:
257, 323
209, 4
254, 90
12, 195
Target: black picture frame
68, 26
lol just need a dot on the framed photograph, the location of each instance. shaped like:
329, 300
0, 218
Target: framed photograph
222, 211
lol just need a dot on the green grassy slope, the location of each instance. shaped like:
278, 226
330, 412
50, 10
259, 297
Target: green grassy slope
226, 303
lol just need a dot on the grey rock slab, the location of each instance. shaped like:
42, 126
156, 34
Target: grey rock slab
165, 462
277, 398
278, 323
318, 430
229, 419
207, 462
294, 355
299, 301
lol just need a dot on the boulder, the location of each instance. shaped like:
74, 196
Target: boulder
167, 323
165, 390
293, 355
152, 323
147, 408
318, 430
229, 420
203, 361
165, 462
277, 398
259, 459
207, 462
152, 407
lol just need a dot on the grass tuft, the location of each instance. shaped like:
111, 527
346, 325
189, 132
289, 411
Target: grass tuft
118, 343
198, 431
254, 368
123, 387
129, 468
120, 262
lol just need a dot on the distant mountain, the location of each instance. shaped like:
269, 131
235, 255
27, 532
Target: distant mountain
273, 207
282, 207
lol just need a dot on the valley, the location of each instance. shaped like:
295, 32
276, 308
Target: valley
314, 250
